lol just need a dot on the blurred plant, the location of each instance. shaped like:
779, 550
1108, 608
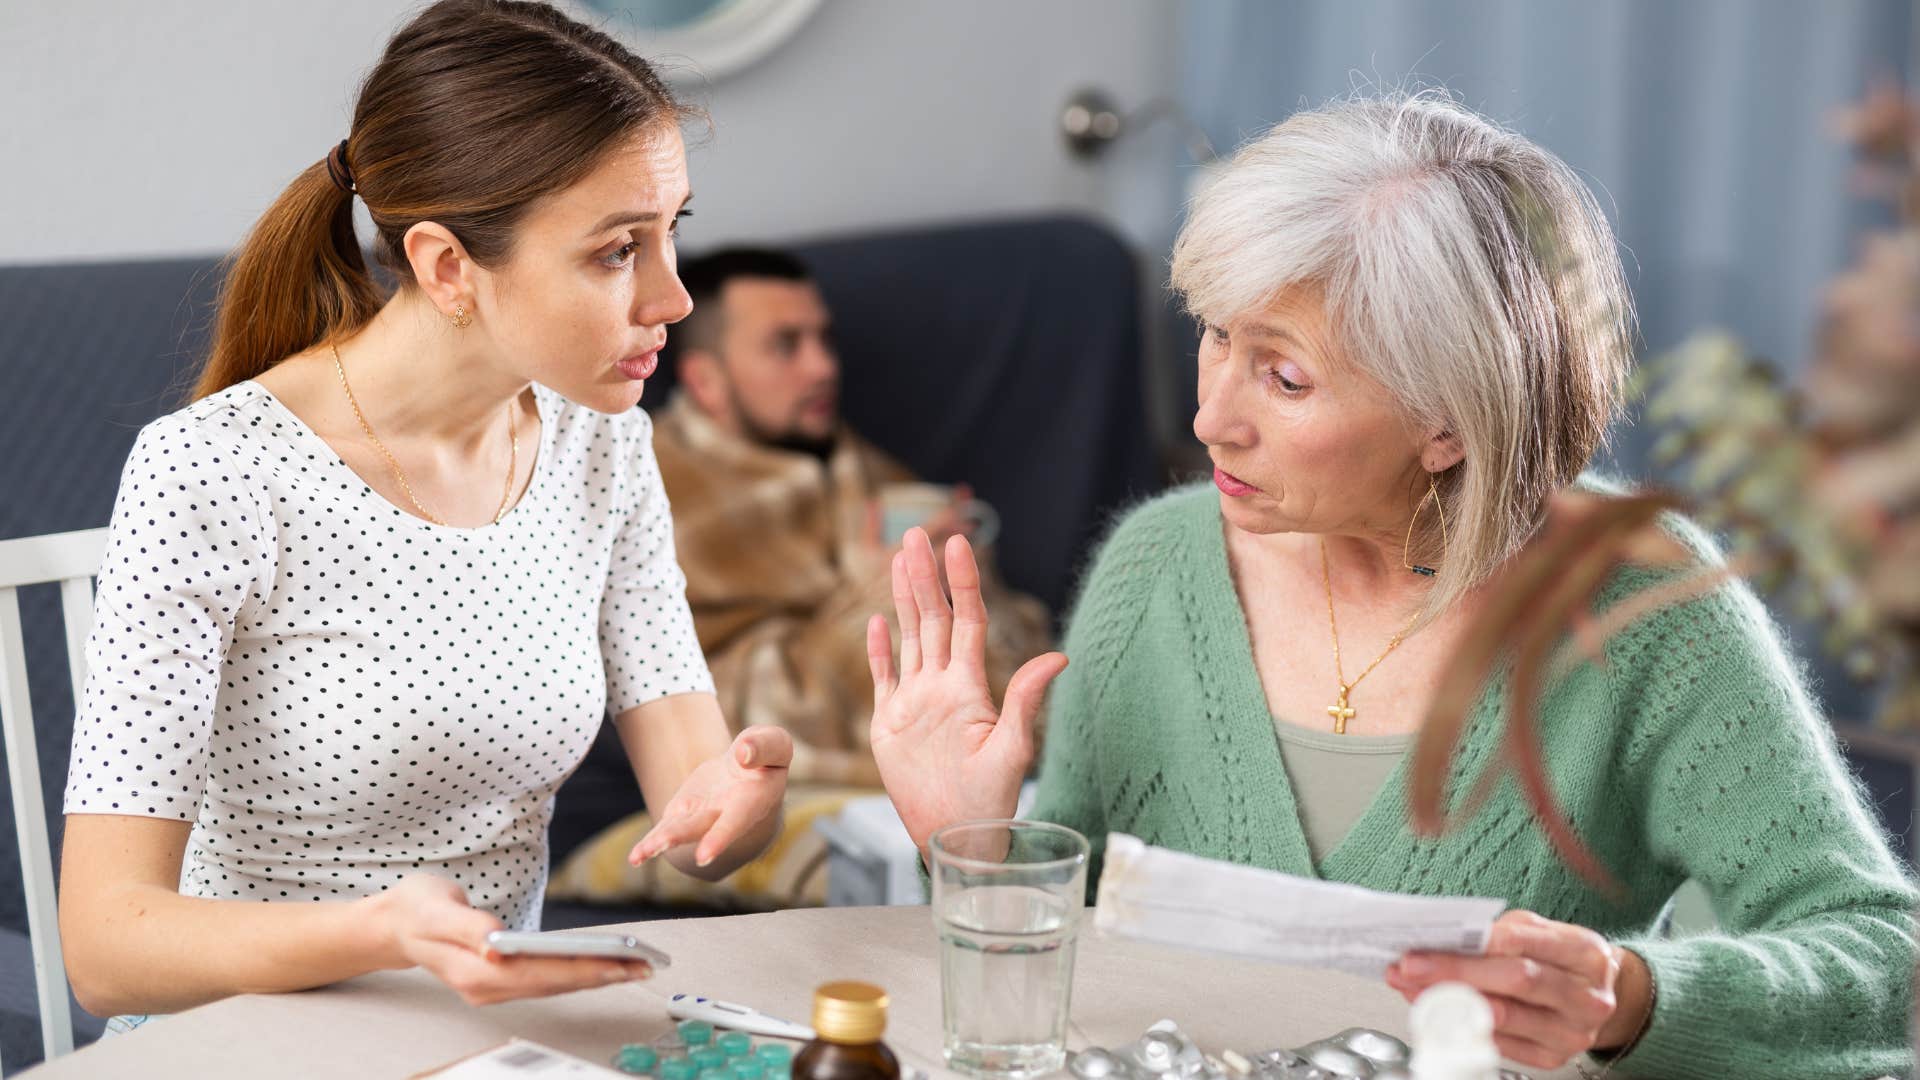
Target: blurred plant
1816, 489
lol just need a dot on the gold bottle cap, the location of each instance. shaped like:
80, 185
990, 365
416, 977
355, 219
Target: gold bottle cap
851, 1013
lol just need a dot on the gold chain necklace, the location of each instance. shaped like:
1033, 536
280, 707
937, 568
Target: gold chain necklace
513, 450
1340, 710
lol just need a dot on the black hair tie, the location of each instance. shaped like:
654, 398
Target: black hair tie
337, 170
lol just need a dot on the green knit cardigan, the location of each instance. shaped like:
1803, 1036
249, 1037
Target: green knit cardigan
1693, 752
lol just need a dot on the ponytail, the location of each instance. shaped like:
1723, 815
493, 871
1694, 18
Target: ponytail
297, 280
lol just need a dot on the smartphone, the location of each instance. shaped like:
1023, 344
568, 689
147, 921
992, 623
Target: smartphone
602, 945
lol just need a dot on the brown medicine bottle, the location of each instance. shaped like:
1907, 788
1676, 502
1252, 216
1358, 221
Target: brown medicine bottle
848, 1020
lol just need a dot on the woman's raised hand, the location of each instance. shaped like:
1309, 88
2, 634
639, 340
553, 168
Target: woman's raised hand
945, 753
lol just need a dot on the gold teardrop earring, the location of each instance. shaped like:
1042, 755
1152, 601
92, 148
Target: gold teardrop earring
460, 319
1433, 495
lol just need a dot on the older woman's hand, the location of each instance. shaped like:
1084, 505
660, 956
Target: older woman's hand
1557, 990
946, 754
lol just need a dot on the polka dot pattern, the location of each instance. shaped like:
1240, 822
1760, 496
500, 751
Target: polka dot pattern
337, 693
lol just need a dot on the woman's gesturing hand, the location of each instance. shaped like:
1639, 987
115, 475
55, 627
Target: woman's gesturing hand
724, 799
945, 753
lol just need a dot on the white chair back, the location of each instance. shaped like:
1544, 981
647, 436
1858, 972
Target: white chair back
71, 559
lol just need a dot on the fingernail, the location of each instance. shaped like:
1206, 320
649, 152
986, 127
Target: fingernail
1415, 967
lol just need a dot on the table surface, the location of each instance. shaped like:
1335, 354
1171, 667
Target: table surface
398, 1024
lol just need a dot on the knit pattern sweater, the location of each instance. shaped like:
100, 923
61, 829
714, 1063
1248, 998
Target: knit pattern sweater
1693, 752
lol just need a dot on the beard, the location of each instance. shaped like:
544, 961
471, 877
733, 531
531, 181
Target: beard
789, 438
796, 443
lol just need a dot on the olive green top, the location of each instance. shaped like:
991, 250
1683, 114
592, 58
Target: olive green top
1335, 778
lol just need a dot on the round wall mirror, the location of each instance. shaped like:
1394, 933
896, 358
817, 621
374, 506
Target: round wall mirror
718, 37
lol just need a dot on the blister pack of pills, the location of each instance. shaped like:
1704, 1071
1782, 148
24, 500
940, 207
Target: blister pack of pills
1164, 1052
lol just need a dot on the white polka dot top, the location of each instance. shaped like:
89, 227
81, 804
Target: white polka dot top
337, 693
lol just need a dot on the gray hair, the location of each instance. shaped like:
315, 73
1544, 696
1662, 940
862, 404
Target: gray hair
1465, 269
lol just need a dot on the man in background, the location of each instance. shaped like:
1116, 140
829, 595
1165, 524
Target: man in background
777, 516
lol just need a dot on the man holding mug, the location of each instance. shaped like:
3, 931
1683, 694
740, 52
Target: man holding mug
786, 519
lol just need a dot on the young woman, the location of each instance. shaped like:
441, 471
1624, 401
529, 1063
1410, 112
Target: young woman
368, 598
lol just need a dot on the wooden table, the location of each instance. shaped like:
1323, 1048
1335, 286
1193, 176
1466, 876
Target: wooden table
396, 1024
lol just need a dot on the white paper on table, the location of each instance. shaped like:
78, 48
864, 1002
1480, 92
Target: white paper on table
1173, 898
516, 1059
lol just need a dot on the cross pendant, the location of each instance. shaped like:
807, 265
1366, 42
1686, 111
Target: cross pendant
1341, 713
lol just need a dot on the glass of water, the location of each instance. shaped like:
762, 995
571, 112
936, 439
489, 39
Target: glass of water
1007, 901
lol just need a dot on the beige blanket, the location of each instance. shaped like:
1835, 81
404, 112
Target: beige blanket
782, 577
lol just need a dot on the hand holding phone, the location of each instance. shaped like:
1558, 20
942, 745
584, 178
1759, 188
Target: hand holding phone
605, 946
426, 921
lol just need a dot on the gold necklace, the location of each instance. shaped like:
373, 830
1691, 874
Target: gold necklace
1340, 710
513, 449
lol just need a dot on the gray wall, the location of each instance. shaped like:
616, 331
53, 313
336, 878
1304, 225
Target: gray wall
1702, 126
164, 128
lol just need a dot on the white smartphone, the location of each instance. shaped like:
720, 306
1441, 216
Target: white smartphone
603, 945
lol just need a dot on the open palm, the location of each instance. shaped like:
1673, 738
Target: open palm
723, 798
946, 754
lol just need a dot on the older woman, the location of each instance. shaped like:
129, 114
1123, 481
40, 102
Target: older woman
1416, 331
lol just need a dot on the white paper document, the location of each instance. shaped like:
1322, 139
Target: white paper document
517, 1059
1172, 898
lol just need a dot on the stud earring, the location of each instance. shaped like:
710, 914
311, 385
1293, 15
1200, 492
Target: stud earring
460, 319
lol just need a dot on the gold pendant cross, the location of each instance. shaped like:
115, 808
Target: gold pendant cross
1341, 713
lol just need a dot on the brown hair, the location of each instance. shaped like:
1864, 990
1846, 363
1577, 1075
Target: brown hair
476, 109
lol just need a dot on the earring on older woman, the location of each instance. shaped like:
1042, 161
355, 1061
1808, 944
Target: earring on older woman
1433, 493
